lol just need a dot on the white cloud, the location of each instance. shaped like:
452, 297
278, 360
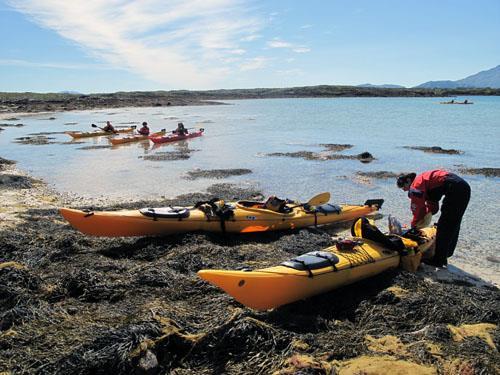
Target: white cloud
306, 26
278, 43
239, 51
301, 49
253, 64
55, 65
179, 43
250, 38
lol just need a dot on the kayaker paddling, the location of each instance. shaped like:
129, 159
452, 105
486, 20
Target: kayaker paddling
144, 130
425, 192
109, 128
181, 130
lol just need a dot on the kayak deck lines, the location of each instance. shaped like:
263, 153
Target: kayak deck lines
319, 271
212, 216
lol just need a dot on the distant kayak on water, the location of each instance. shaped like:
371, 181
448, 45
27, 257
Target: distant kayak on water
176, 137
454, 102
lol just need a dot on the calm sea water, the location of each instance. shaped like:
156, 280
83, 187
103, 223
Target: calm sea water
240, 134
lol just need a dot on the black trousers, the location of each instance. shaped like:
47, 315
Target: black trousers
456, 199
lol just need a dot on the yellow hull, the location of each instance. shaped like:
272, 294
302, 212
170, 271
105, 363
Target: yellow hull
135, 138
268, 288
128, 223
97, 133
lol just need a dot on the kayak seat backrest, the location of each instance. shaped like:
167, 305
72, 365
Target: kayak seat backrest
328, 209
312, 261
166, 212
252, 204
364, 229
284, 209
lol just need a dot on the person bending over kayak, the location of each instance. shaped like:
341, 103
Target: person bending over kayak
425, 192
109, 128
181, 130
144, 130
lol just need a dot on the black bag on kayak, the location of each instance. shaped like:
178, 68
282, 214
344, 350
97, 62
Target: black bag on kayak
364, 229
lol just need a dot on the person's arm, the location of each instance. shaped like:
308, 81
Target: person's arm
432, 207
418, 208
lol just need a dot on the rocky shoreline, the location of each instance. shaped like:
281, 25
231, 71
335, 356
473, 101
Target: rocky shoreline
50, 102
37, 103
76, 304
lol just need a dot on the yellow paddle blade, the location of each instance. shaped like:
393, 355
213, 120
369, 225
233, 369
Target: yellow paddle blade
254, 228
319, 199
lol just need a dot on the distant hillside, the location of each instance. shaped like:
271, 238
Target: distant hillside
70, 92
486, 78
386, 86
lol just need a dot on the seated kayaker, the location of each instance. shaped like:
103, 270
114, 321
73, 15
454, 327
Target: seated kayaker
144, 130
181, 130
109, 128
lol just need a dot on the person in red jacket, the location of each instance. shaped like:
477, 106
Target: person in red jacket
425, 191
144, 130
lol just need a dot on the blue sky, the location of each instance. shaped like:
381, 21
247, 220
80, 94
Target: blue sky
113, 45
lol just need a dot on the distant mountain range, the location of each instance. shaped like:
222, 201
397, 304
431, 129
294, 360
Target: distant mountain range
486, 78
381, 86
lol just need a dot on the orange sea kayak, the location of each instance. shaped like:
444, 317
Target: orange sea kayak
220, 216
176, 137
135, 138
315, 272
98, 133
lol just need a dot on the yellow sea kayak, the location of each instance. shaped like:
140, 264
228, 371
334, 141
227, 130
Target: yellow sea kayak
314, 273
98, 133
135, 138
233, 217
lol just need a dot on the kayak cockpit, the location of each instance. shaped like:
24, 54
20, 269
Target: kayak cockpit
166, 212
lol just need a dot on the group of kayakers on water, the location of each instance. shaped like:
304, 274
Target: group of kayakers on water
143, 133
144, 130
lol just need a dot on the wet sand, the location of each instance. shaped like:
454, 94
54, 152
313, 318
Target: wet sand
70, 303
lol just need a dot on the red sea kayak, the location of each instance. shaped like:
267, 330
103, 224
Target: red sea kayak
176, 137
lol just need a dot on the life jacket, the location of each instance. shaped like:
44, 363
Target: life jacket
143, 131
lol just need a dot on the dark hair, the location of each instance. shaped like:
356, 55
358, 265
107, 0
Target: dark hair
404, 178
144, 123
